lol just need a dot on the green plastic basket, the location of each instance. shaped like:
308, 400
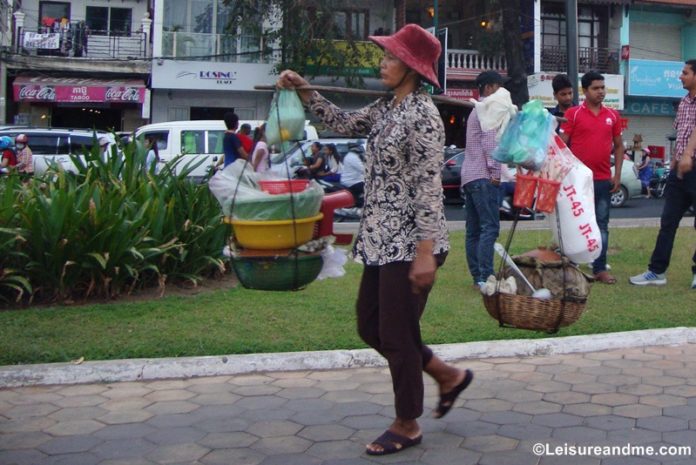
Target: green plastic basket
277, 273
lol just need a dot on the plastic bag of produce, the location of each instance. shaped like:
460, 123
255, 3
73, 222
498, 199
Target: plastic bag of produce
286, 118
526, 139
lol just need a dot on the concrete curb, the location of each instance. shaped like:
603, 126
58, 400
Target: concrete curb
188, 367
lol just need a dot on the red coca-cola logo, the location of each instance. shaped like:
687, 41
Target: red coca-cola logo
37, 92
122, 94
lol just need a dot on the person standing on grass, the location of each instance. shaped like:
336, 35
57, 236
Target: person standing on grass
563, 93
480, 185
593, 132
680, 191
402, 237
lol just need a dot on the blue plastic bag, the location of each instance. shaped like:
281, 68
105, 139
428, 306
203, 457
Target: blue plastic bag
286, 118
527, 137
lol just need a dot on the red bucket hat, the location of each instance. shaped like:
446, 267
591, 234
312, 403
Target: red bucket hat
416, 47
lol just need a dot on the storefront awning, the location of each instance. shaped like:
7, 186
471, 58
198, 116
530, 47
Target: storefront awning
76, 90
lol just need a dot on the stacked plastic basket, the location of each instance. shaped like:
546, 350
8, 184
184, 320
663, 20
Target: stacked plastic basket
269, 228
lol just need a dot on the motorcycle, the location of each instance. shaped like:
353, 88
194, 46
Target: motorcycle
353, 213
658, 182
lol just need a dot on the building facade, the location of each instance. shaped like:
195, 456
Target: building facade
657, 37
118, 66
79, 63
639, 46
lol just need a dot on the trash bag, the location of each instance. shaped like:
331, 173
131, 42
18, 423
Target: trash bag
286, 118
559, 160
526, 139
334, 259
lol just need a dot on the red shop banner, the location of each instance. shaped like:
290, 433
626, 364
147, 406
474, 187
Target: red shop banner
462, 94
38, 89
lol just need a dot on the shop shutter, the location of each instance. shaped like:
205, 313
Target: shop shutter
655, 42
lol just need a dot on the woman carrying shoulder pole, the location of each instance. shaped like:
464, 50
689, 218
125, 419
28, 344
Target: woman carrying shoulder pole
402, 237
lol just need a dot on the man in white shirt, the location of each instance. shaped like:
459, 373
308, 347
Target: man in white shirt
353, 174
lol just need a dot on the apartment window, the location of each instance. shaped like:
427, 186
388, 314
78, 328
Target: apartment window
351, 24
51, 13
103, 20
553, 28
97, 19
591, 32
592, 26
175, 15
196, 16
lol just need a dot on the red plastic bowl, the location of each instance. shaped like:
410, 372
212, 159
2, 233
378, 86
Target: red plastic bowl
284, 186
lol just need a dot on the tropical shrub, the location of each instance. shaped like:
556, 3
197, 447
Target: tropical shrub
111, 227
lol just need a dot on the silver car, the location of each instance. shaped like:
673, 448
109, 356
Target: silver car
630, 184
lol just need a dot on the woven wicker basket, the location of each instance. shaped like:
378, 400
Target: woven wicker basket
525, 312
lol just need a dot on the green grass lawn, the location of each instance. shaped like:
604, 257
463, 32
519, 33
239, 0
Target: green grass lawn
237, 320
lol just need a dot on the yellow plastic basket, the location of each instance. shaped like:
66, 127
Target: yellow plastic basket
281, 234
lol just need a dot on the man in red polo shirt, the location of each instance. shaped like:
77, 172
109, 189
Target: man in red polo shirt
593, 132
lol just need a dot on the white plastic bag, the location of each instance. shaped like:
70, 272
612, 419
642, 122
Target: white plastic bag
559, 160
580, 239
334, 259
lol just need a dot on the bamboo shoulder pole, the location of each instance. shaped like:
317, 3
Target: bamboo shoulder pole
380, 93
373, 93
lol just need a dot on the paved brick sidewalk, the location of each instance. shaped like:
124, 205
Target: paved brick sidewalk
641, 397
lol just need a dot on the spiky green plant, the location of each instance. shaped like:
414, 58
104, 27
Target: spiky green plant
109, 227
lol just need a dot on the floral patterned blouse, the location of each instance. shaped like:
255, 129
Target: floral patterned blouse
403, 188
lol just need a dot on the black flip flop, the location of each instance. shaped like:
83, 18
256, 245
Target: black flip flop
392, 443
447, 400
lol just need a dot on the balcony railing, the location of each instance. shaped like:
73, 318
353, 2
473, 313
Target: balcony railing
603, 60
467, 64
214, 47
77, 42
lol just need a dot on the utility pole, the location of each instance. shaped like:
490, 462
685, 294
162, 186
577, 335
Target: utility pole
435, 15
5, 34
571, 7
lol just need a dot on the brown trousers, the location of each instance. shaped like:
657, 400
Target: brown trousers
389, 322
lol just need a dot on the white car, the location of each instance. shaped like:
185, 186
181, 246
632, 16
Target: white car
53, 147
630, 184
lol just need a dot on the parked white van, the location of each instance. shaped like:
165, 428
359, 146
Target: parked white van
196, 140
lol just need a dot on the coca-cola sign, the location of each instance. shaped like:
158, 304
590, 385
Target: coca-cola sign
37, 92
77, 91
122, 94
